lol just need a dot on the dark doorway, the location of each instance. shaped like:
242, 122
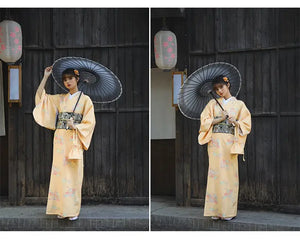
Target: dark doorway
163, 167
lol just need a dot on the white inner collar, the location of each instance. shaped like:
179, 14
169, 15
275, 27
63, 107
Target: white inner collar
227, 100
74, 94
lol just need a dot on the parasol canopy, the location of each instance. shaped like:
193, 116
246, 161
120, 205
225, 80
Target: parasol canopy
194, 93
95, 80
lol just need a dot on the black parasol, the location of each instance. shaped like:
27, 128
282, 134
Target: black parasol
195, 92
96, 81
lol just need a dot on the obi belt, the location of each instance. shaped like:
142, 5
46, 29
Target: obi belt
63, 117
223, 127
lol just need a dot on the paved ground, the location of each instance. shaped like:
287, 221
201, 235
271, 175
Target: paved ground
165, 215
103, 217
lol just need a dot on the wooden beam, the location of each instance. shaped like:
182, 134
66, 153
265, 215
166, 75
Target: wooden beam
246, 50
60, 47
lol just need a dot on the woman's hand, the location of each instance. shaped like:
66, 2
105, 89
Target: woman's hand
48, 71
232, 120
70, 123
224, 115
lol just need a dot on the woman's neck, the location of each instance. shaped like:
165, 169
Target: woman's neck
74, 90
228, 95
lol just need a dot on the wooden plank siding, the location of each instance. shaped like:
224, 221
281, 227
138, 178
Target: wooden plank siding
264, 45
116, 165
4, 144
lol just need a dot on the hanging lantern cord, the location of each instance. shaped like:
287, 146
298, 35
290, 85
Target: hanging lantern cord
7, 14
164, 24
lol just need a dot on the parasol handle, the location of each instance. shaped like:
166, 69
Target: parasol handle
210, 92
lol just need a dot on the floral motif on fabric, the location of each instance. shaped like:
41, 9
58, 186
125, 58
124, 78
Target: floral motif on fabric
213, 174
230, 141
228, 193
224, 163
70, 192
215, 143
213, 209
216, 154
55, 171
60, 150
54, 208
223, 182
59, 139
212, 198
54, 196
66, 181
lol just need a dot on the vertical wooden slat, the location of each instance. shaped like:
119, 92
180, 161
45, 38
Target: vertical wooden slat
179, 160
187, 162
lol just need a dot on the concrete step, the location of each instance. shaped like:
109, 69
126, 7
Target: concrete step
166, 216
103, 217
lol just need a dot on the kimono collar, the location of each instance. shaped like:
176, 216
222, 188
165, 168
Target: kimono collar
72, 95
224, 101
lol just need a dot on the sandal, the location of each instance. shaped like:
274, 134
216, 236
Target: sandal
227, 218
73, 218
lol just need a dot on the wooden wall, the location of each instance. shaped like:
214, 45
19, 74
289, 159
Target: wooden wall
264, 44
4, 148
116, 165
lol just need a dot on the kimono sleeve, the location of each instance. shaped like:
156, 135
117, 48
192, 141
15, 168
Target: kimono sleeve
85, 129
46, 109
245, 121
241, 133
206, 119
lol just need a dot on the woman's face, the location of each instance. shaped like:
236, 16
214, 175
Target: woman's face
221, 89
69, 81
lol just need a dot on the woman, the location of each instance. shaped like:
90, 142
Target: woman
73, 133
225, 132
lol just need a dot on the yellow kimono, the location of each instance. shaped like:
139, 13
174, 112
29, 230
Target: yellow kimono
225, 142
64, 196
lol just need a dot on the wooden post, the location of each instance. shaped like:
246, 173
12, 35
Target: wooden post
16, 163
179, 160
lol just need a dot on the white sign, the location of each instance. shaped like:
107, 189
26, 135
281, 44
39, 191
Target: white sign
177, 80
14, 84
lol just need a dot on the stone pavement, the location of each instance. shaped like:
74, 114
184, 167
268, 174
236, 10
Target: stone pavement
166, 216
102, 217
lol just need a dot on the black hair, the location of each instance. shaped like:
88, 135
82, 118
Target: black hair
70, 71
220, 79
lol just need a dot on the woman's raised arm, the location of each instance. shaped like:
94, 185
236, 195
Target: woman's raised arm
47, 72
